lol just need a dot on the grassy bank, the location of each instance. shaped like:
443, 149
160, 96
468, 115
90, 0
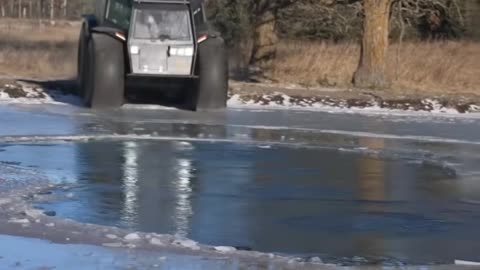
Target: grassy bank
39, 49
426, 66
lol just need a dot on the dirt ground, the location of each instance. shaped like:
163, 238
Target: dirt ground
355, 98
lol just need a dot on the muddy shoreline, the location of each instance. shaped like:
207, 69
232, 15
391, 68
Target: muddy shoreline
280, 96
264, 94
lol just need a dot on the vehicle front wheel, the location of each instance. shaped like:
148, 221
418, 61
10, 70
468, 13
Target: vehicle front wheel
82, 60
105, 83
211, 88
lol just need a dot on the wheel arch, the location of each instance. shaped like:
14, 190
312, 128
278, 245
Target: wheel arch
88, 22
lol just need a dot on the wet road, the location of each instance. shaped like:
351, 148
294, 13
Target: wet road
349, 188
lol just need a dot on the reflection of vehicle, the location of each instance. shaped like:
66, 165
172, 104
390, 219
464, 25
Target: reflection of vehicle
164, 42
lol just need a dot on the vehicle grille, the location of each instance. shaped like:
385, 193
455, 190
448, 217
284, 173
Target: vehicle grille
153, 59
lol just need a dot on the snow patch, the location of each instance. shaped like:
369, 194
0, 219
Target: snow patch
225, 249
33, 213
282, 101
24, 94
19, 221
187, 243
111, 236
113, 245
460, 262
132, 237
5, 201
156, 242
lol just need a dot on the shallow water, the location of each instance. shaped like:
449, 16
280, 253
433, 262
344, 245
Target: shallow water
346, 207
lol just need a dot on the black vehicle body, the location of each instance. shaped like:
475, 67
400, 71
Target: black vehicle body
162, 44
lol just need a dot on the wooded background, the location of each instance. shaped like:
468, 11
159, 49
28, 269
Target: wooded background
297, 19
45, 9
257, 30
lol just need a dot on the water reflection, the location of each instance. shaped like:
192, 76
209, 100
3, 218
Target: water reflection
183, 211
371, 190
282, 199
371, 172
130, 178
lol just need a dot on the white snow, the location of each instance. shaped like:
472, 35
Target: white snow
38, 96
19, 221
113, 245
156, 242
132, 237
111, 236
265, 146
5, 201
187, 243
33, 213
4, 95
431, 106
273, 101
460, 262
225, 249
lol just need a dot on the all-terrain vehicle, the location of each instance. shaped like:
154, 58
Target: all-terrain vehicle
131, 42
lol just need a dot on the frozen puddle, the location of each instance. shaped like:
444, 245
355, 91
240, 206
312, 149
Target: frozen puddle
25, 253
346, 207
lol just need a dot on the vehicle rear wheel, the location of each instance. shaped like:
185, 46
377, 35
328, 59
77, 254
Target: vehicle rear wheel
212, 68
105, 85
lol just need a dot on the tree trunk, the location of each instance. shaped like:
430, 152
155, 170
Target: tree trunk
41, 8
372, 69
472, 19
20, 9
264, 37
52, 10
30, 9
65, 6
11, 12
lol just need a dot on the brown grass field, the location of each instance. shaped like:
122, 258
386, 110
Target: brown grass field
40, 50
445, 66
37, 49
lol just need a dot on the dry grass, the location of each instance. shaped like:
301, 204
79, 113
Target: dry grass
37, 49
429, 67
33, 49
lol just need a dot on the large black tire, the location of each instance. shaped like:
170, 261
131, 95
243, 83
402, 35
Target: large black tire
105, 83
82, 61
212, 68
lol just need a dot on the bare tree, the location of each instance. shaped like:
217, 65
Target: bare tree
264, 21
65, 8
20, 9
52, 10
371, 72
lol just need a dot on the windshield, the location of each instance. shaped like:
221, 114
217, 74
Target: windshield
170, 22
118, 12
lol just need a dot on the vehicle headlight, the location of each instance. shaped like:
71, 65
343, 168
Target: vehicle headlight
189, 51
181, 51
134, 50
